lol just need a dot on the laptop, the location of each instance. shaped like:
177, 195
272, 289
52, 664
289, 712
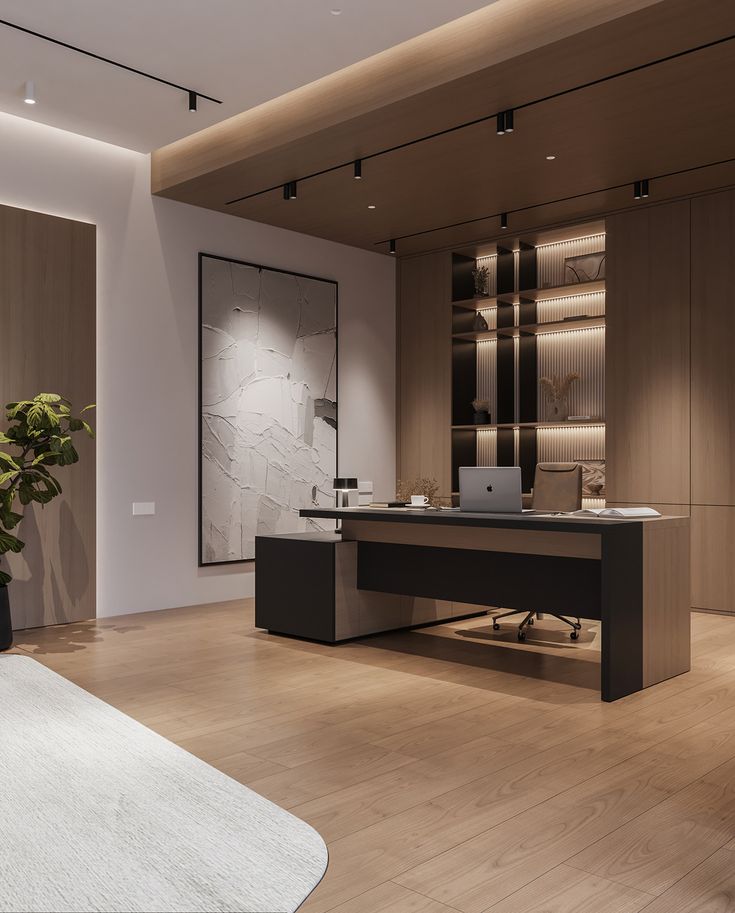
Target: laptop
490, 489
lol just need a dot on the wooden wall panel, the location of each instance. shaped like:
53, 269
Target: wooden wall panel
648, 355
48, 321
713, 558
424, 369
713, 334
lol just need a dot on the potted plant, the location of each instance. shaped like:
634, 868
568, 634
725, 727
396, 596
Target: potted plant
39, 437
481, 409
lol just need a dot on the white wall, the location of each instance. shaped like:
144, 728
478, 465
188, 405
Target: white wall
147, 354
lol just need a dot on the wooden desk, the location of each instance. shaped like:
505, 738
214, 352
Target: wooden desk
632, 575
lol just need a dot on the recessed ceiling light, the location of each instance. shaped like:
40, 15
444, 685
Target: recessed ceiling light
371, 205
550, 158
336, 12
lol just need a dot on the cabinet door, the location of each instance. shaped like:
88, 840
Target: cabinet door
424, 369
713, 349
648, 355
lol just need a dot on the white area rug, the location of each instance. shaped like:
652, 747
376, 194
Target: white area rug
98, 813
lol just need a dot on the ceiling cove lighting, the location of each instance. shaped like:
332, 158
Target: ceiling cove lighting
503, 219
30, 92
392, 246
289, 190
357, 169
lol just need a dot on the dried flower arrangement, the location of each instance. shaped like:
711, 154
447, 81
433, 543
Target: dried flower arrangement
481, 275
556, 393
557, 388
426, 487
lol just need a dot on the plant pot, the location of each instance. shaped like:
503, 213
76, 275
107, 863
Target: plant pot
481, 418
6, 626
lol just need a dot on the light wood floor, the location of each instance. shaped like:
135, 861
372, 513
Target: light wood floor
442, 779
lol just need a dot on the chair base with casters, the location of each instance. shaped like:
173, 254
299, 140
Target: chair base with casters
557, 487
576, 626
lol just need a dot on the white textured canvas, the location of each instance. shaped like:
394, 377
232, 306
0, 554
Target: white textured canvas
99, 813
269, 404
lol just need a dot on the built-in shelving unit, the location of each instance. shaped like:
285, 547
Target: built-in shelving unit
533, 322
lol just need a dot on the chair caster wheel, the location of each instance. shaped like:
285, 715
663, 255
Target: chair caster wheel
574, 635
496, 627
521, 635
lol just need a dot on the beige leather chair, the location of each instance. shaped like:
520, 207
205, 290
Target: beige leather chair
556, 487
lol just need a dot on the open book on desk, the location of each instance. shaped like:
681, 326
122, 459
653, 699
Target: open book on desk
616, 513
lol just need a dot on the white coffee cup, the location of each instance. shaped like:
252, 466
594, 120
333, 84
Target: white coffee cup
419, 500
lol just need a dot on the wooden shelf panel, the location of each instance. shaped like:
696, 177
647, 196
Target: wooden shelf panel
537, 329
585, 424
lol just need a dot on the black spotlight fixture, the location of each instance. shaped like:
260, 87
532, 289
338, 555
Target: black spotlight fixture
357, 173
289, 190
192, 101
392, 246
637, 190
504, 122
644, 188
503, 219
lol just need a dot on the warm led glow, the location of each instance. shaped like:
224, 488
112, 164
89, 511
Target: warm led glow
371, 205
550, 158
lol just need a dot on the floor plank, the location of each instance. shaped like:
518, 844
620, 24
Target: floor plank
449, 768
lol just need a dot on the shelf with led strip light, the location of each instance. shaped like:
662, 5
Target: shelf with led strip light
542, 327
549, 326
481, 303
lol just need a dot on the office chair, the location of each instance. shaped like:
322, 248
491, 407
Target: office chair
556, 487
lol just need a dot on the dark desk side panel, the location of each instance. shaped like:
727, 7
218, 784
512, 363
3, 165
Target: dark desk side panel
569, 586
294, 587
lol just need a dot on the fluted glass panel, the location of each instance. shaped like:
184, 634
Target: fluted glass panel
551, 257
487, 447
582, 351
487, 374
567, 444
591, 305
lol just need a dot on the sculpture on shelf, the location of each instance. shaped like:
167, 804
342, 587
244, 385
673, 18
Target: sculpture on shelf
427, 487
480, 324
481, 275
585, 268
41, 432
481, 408
556, 393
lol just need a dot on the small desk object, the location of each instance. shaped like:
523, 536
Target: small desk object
632, 575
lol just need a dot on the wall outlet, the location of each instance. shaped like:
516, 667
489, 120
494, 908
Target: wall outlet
144, 508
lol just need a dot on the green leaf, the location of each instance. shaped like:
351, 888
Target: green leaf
7, 460
4, 578
47, 398
10, 543
75, 424
8, 476
90, 406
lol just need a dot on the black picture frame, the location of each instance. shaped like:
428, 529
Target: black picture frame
200, 486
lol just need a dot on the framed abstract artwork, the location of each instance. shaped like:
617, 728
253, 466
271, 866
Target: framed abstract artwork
267, 403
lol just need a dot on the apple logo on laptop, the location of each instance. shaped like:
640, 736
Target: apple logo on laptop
489, 487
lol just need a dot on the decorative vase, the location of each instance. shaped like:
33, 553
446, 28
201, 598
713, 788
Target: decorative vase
559, 410
481, 418
6, 626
